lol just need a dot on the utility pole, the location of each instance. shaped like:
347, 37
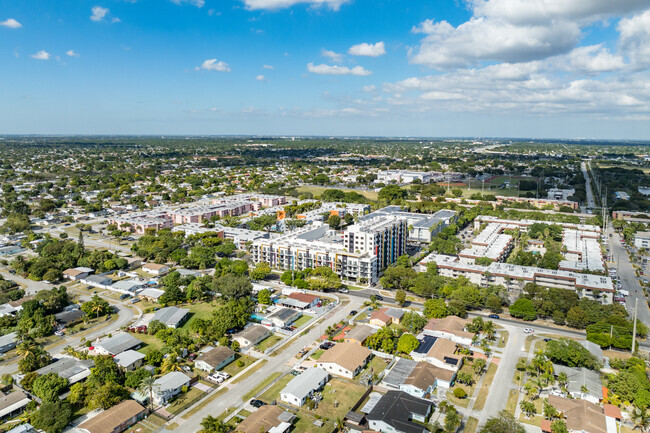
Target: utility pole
636, 305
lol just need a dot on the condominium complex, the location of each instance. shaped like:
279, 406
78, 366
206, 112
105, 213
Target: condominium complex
422, 227
405, 176
360, 253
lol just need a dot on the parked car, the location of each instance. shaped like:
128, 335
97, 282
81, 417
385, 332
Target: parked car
494, 316
192, 357
257, 403
344, 290
528, 330
327, 345
214, 378
546, 340
124, 296
353, 313
135, 301
379, 297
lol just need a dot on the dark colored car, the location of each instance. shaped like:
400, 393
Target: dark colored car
546, 340
353, 313
257, 403
379, 297
327, 345
494, 316
192, 357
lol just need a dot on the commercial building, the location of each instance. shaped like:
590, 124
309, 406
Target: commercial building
560, 194
422, 227
304, 386
642, 240
582, 251
404, 176
515, 277
360, 253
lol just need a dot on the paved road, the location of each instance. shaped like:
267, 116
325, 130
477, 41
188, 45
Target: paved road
278, 363
590, 195
629, 280
125, 315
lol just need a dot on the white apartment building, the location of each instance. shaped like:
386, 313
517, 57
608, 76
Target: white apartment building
642, 240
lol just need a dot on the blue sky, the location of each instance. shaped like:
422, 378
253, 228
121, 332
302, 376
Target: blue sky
542, 68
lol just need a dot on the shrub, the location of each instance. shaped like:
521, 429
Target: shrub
240, 363
460, 393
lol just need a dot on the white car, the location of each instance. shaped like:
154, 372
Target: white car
214, 378
528, 330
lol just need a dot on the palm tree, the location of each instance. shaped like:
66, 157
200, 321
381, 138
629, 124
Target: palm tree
479, 366
26, 348
340, 425
641, 419
528, 407
211, 424
96, 308
562, 379
171, 363
489, 330
147, 386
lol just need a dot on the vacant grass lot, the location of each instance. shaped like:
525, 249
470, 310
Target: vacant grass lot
260, 386
200, 310
338, 397
268, 342
150, 342
273, 393
511, 404
183, 401
232, 368
302, 320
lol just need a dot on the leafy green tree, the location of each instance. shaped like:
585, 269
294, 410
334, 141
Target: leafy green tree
523, 308
47, 387
559, 426
398, 277
134, 378
264, 297
571, 353
232, 286
407, 343
390, 193
334, 221
400, 297
435, 308
413, 322
96, 307
577, 318
52, 417
107, 395
261, 271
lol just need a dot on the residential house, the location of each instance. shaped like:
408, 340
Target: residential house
117, 344
155, 268
172, 317
417, 378
12, 404
439, 352
68, 318
151, 294
580, 415
396, 412
129, 359
309, 300
266, 419
128, 286
76, 274
116, 419
168, 386
97, 281
380, 318
252, 335
23, 428
282, 317
451, 328
345, 359
582, 382
215, 359
72, 369
8, 342
359, 334
304, 385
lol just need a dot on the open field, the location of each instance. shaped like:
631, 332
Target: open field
200, 310
150, 342
511, 404
302, 320
471, 425
338, 397
318, 190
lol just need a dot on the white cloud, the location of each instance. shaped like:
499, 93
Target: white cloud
268, 67
214, 65
370, 88
260, 78
197, 3
41, 55
333, 56
336, 70
72, 53
98, 13
10, 23
635, 39
281, 4
370, 50
591, 59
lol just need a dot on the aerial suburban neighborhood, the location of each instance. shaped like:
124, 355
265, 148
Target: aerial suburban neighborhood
325, 216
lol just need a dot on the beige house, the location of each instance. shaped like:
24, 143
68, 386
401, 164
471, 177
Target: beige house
345, 359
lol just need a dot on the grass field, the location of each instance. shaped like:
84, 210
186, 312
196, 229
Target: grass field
302, 320
232, 368
200, 310
471, 425
317, 354
268, 342
504, 338
183, 401
318, 190
260, 386
485, 387
150, 342
305, 424
273, 393
511, 404
338, 397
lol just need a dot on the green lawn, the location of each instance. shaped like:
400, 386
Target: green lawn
485, 387
273, 393
302, 320
200, 310
268, 342
150, 342
511, 404
305, 424
338, 397
317, 354
471, 425
183, 401
260, 386
503, 340
232, 368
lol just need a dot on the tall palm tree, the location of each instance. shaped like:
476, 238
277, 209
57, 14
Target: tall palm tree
641, 419
211, 424
147, 386
489, 330
340, 425
28, 347
171, 363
